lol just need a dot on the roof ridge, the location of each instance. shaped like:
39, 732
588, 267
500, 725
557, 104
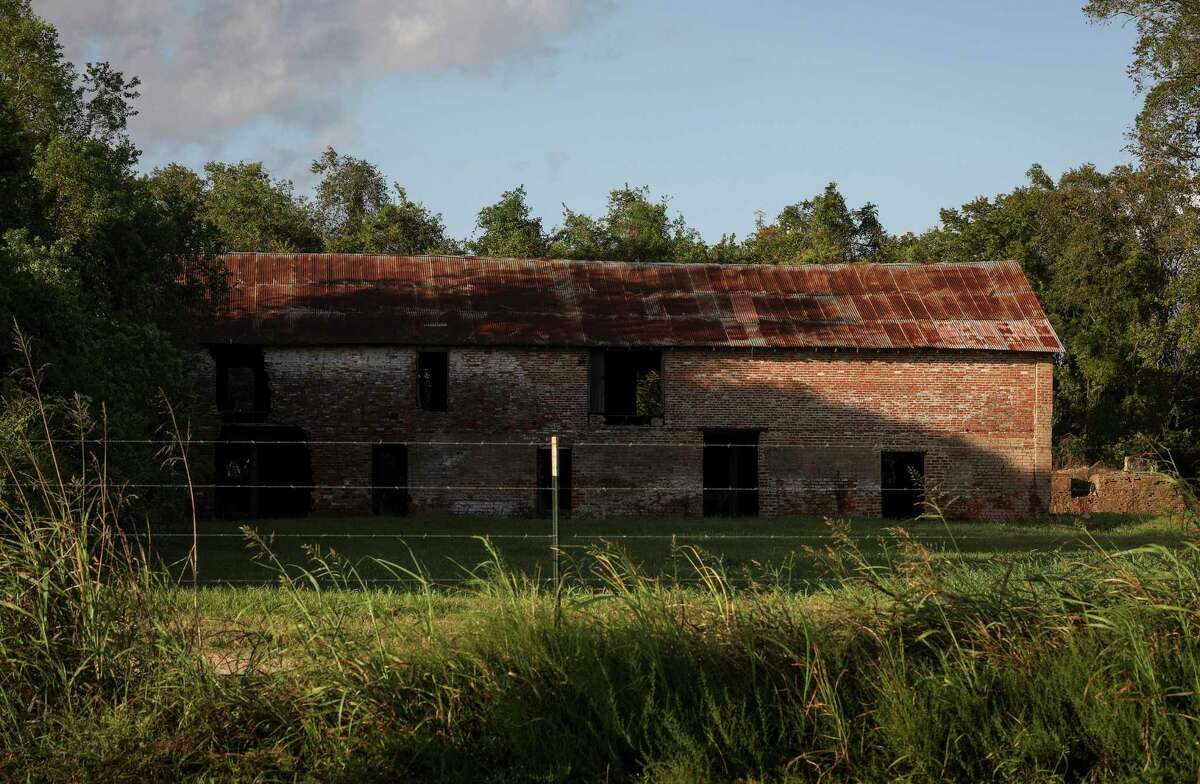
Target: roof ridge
650, 264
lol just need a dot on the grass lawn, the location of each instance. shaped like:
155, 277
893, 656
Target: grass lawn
448, 549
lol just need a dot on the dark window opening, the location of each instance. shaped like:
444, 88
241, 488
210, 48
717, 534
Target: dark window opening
262, 471
545, 486
1081, 488
432, 372
730, 473
900, 479
241, 383
389, 480
625, 385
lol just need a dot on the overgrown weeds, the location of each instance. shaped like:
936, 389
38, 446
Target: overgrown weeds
75, 623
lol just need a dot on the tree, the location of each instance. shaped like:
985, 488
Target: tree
402, 226
355, 213
581, 237
1166, 70
509, 228
820, 230
634, 228
253, 212
91, 257
351, 190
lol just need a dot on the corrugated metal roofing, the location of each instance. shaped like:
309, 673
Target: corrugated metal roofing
316, 299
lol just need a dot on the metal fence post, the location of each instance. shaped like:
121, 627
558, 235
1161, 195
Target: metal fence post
554, 505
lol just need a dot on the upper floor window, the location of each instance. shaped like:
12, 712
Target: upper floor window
626, 385
241, 383
432, 372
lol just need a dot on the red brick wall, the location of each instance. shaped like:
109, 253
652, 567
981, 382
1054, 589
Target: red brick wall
982, 418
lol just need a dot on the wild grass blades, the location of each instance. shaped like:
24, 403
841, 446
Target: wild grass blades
181, 440
74, 614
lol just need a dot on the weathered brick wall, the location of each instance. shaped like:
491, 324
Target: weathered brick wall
982, 418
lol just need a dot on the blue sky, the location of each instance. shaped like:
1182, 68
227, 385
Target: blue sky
725, 108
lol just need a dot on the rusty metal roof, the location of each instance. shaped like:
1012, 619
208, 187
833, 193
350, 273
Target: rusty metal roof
323, 299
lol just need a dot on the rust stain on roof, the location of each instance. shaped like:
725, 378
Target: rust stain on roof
327, 299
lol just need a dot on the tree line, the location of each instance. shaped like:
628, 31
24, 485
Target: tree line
98, 260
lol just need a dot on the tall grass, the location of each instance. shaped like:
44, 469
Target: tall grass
74, 617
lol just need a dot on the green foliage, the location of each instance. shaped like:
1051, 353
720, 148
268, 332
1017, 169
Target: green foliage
820, 230
94, 263
402, 226
75, 625
254, 212
35, 81
921, 669
356, 214
634, 228
349, 192
509, 229
1166, 70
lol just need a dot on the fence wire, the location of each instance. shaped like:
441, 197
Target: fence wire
527, 498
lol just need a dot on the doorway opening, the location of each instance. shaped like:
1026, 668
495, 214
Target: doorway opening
262, 471
900, 477
730, 473
389, 480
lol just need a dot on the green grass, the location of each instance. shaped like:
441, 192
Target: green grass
448, 548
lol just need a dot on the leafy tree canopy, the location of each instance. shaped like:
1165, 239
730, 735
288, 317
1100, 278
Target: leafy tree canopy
94, 264
635, 227
820, 230
350, 191
253, 212
508, 228
1166, 70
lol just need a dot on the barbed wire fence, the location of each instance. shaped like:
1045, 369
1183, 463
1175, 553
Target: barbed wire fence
541, 510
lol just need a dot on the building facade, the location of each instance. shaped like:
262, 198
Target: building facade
401, 385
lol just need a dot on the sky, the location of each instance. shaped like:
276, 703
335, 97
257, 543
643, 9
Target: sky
727, 109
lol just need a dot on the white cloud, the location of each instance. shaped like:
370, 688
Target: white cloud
210, 68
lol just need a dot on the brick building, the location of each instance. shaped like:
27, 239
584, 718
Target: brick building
342, 384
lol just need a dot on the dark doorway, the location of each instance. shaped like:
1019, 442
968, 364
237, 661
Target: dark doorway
389, 479
545, 494
730, 473
900, 478
262, 471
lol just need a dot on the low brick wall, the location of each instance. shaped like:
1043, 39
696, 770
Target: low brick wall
1110, 490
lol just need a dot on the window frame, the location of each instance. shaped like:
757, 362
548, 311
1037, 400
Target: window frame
599, 379
429, 405
240, 357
